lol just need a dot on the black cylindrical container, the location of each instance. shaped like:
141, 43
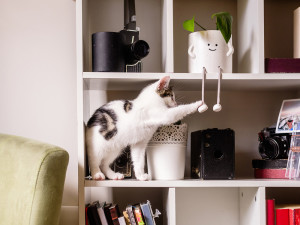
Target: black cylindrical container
107, 52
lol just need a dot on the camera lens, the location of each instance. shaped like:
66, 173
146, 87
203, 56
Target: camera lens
218, 154
140, 49
273, 148
122, 161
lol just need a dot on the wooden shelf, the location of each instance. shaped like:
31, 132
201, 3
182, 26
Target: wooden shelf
192, 82
195, 183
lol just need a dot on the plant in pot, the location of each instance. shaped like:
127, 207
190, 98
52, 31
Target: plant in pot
210, 48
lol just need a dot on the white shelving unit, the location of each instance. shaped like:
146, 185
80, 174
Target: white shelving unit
250, 98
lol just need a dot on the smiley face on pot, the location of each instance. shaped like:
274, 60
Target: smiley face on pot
212, 47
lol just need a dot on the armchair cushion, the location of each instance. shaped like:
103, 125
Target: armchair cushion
32, 176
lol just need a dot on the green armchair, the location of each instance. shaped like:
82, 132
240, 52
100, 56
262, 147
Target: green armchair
32, 176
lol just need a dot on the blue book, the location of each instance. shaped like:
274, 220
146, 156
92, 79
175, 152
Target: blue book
148, 214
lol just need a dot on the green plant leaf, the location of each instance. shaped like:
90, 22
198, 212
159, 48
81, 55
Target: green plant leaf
224, 24
189, 25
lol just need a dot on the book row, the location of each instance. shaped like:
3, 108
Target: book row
282, 214
109, 214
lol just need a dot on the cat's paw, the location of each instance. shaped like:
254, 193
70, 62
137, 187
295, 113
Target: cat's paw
98, 176
193, 107
198, 104
143, 177
118, 176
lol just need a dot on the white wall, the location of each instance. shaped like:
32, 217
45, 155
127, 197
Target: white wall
38, 80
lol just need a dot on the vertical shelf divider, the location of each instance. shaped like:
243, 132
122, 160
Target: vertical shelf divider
250, 50
80, 128
167, 37
252, 206
169, 206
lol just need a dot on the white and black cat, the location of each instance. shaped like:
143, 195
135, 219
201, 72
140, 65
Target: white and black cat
122, 123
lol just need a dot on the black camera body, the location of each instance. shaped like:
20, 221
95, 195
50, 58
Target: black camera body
134, 50
273, 145
213, 154
123, 164
120, 51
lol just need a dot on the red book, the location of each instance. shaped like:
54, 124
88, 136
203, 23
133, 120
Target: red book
270, 211
294, 215
288, 214
86, 215
297, 216
291, 217
282, 216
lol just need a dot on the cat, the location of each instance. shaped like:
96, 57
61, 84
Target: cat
122, 123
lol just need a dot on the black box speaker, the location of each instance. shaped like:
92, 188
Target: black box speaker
213, 154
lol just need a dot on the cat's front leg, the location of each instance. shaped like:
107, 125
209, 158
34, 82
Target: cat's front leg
172, 115
175, 114
138, 159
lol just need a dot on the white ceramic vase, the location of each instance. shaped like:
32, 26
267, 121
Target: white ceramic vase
166, 153
208, 49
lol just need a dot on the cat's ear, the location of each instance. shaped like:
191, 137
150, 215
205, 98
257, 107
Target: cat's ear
163, 83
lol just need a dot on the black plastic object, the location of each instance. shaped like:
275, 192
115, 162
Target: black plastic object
107, 52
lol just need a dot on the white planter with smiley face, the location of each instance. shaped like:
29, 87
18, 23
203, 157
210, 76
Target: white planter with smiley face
208, 49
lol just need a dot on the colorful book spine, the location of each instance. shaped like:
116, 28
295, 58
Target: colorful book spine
91, 220
138, 214
122, 220
270, 203
107, 213
115, 214
92, 214
100, 208
126, 216
131, 214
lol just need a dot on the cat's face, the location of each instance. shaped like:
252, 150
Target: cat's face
166, 92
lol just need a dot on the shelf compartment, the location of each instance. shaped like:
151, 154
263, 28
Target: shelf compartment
160, 198
246, 112
247, 31
278, 30
228, 206
202, 10
108, 16
284, 195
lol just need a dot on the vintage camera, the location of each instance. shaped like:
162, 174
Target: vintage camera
123, 163
120, 51
273, 145
213, 154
